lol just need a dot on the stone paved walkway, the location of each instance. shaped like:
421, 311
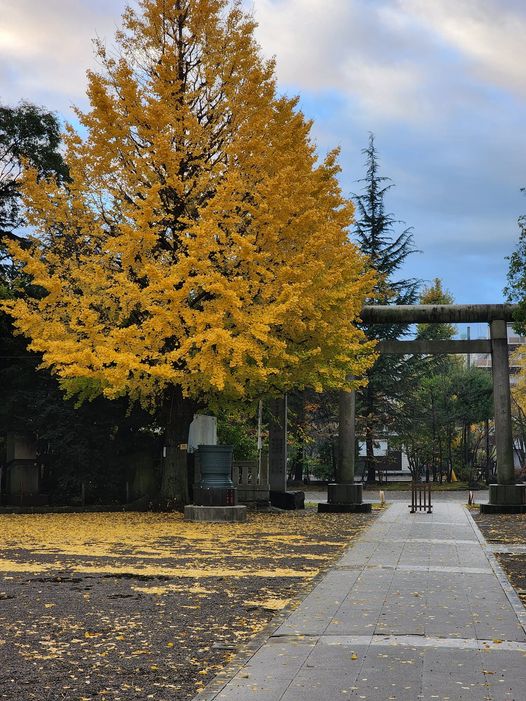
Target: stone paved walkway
417, 609
373, 494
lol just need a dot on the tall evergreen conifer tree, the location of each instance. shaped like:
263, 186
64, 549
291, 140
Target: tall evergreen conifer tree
375, 232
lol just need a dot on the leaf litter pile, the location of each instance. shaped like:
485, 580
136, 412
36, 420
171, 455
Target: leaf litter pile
509, 530
146, 606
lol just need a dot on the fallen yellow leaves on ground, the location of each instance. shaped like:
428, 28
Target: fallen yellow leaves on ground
143, 605
147, 544
508, 531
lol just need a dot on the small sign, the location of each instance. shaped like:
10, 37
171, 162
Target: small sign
183, 446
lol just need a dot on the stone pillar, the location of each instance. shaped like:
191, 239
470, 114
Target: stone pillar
346, 437
502, 402
344, 496
505, 496
278, 444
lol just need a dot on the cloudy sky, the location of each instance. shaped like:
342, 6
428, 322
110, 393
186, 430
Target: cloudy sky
440, 83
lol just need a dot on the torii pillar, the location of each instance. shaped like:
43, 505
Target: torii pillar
344, 496
505, 496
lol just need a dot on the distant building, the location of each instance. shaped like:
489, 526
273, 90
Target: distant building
483, 360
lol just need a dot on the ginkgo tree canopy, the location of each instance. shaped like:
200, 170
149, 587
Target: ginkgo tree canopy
200, 242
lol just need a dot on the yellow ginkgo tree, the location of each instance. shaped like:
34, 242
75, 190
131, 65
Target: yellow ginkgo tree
200, 249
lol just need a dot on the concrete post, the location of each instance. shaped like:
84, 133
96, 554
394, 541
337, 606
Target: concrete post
278, 444
346, 438
502, 402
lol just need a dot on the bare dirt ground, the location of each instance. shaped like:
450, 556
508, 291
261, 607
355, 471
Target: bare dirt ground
146, 606
508, 530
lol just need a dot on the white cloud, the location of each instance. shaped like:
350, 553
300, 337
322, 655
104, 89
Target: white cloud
412, 60
489, 33
351, 47
386, 57
46, 47
386, 91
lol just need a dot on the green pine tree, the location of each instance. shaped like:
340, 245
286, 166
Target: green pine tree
376, 235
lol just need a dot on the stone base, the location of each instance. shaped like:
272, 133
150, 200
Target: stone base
288, 500
507, 494
505, 499
503, 508
344, 498
344, 493
215, 513
363, 508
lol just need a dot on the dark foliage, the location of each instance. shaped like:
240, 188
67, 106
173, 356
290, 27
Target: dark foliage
27, 133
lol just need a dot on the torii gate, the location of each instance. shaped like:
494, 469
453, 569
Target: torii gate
505, 496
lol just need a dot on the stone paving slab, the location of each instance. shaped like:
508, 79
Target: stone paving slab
417, 610
440, 669
321, 605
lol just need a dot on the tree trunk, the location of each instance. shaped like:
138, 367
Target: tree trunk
178, 414
467, 447
299, 463
299, 430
